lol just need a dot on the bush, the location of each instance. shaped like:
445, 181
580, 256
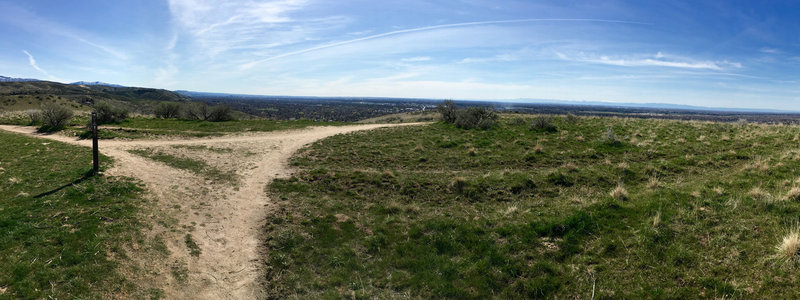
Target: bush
168, 110
35, 115
475, 117
543, 123
54, 117
197, 111
221, 113
518, 121
109, 114
448, 111
571, 118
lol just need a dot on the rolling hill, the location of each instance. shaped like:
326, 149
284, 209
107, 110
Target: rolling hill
21, 95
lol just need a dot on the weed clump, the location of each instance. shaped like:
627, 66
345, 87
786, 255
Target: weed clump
543, 123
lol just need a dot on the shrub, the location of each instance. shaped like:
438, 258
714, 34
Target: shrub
543, 123
54, 117
197, 111
571, 118
221, 113
475, 117
106, 113
168, 110
518, 121
448, 111
35, 116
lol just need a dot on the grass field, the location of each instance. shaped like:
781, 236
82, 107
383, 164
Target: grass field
142, 128
615, 208
61, 231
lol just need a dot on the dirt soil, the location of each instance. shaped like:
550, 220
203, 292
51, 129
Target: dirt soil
224, 218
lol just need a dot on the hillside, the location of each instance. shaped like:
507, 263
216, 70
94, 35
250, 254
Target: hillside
605, 208
30, 94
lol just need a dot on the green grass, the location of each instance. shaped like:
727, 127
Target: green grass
189, 164
61, 232
439, 212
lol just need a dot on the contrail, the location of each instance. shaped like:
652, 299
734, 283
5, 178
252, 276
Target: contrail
396, 32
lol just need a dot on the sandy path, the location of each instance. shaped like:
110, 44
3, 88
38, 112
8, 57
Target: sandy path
225, 219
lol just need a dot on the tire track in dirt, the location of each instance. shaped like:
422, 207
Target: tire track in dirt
224, 219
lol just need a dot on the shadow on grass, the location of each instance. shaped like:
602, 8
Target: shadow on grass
86, 175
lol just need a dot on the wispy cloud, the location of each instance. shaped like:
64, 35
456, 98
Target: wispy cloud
769, 50
425, 28
217, 26
35, 65
497, 58
658, 60
416, 59
26, 20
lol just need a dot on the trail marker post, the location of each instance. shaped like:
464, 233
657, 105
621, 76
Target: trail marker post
95, 156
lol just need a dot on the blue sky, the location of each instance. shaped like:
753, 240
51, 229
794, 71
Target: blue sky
710, 53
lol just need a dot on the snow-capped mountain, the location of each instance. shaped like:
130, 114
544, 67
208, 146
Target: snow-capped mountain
12, 79
96, 83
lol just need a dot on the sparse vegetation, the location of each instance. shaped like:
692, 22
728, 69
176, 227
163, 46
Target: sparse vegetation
193, 165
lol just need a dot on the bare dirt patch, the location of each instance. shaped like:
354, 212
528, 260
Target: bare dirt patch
205, 236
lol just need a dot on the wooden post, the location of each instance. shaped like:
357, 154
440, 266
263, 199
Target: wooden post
95, 156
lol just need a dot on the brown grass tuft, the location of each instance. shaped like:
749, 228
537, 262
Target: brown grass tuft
790, 246
653, 183
538, 148
793, 194
619, 193
758, 194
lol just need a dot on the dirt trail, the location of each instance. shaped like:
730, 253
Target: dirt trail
224, 219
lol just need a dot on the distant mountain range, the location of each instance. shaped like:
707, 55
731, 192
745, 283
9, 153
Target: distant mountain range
96, 83
12, 79
100, 86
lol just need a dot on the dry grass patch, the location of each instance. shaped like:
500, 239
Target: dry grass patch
653, 183
758, 194
793, 194
790, 246
619, 193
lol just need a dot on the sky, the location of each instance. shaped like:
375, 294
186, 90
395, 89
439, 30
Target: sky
743, 54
